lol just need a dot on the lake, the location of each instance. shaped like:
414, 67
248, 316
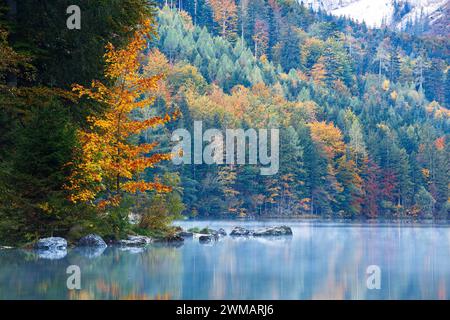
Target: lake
322, 260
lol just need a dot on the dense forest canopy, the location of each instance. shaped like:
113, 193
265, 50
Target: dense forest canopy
363, 114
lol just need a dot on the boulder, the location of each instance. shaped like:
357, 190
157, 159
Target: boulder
170, 239
5, 247
207, 238
240, 232
52, 248
273, 231
217, 233
222, 232
135, 241
51, 244
214, 233
92, 240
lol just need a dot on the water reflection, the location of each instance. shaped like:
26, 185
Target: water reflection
321, 261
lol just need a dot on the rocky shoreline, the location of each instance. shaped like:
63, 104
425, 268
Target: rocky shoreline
92, 245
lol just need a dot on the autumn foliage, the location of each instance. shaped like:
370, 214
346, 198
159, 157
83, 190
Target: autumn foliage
225, 14
109, 164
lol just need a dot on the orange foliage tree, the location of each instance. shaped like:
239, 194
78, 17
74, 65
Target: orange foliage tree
261, 37
225, 14
328, 137
318, 72
108, 163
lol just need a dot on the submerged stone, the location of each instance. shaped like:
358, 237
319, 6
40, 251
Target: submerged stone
136, 241
207, 238
273, 231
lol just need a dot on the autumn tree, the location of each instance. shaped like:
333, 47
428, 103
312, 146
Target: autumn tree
328, 137
318, 72
260, 37
225, 14
109, 165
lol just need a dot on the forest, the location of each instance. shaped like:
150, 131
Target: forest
87, 115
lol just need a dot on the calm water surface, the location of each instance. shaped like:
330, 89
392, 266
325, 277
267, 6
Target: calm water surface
321, 260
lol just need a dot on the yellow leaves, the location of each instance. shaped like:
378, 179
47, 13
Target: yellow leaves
385, 85
263, 59
426, 173
439, 112
157, 63
107, 161
318, 72
142, 186
394, 95
187, 20
225, 14
328, 137
45, 207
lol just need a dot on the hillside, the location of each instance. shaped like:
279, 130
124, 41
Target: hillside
88, 118
359, 110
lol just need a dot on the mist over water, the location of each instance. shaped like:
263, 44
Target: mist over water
322, 260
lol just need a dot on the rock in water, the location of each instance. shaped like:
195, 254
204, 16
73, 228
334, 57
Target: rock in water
240, 232
215, 234
170, 239
185, 234
51, 244
92, 240
136, 241
273, 231
51, 248
222, 232
207, 238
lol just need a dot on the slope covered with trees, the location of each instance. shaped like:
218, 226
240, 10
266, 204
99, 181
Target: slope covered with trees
362, 112
363, 115
43, 124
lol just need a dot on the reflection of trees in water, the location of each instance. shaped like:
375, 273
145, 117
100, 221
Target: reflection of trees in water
152, 274
409, 270
318, 262
19, 269
323, 263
